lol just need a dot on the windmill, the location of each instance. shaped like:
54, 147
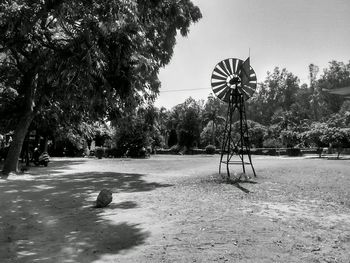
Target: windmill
234, 81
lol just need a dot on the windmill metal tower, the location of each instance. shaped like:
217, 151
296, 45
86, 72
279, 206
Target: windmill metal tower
234, 81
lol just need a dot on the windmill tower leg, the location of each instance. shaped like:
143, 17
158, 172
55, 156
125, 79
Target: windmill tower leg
245, 141
246, 137
231, 145
226, 142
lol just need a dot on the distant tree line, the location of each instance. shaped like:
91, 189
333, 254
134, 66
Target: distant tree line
282, 113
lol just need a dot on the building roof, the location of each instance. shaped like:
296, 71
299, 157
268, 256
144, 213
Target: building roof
345, 91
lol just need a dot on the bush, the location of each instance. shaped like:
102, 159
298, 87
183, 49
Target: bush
136, 152
210, 149
272, 143
133, 138
294, 152
175, 149
290, 138
99, 152
172, 138
186, 138
114, 152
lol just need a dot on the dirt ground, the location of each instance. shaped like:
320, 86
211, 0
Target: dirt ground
177, 209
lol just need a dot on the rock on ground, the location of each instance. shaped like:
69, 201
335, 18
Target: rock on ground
104, 198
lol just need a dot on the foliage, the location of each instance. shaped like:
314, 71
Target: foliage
336, 137
293, 152
213, 113
84, 60
290, 138
139, 131
207, 134
313, 136
210, 149
337, 75
132, 136
186, 118
175, 149
186, 138
333, 133
99, 152
288, 111
149, 116
272, 143
278, 92
345, 108
113, 152
257, 133
172, 138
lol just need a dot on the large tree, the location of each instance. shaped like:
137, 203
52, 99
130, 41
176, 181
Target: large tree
337, 75
91, 59
213, 113
186, 118
277, 92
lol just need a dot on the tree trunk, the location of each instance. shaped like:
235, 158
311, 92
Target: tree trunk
11, 163
339, 150
46, 143
213, 134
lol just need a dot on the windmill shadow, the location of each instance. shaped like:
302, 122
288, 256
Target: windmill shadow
238, 180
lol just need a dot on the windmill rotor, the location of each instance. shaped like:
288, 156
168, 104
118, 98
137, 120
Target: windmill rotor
232, 77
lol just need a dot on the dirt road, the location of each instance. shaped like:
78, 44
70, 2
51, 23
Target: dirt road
177, 209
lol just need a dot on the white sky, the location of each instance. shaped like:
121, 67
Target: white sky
283, 33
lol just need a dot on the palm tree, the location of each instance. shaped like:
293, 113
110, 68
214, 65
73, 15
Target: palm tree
212, 112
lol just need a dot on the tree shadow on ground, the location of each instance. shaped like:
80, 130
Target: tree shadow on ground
51, 219
56, 166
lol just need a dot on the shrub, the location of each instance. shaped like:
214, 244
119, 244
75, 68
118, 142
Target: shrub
172, 138
294, 152
210, 149
272, 143
186, 138
99, 152
132, 138
114, 152
290, 138
137, 152
175, 149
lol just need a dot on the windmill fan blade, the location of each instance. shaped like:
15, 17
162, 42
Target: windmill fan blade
222, 94
219, 72
218, 84
249, 89
219, 88
228, 66
218, 77
227, 96
238, 65
222, 66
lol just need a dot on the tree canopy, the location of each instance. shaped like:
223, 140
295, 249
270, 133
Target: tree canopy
84, 60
